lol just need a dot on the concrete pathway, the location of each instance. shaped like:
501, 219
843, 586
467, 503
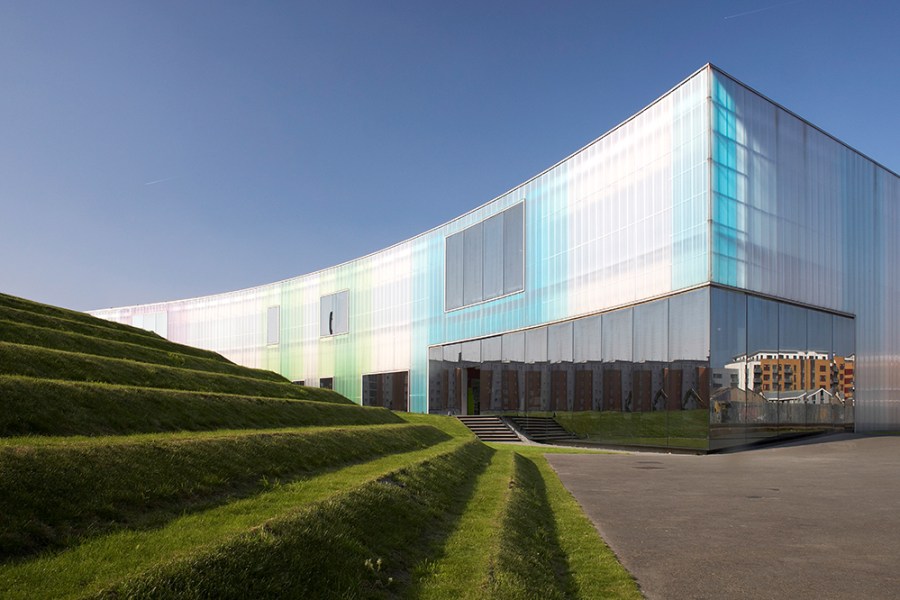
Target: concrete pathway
816, 519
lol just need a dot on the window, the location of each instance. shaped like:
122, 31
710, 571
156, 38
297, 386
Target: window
390, 390
486, 260
334, 314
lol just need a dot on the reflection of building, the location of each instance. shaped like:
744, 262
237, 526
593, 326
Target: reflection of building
618, 285
769, 371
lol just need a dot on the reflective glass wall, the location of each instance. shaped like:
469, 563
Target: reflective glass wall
638, 375
777, 369
801, 216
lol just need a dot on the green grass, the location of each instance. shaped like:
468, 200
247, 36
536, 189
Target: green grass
467, 559
595, 571
243, 543
449, 425
59, 490
134, 467
687, 428
33, 361
31, 406
91, 326
85, 344
522, 535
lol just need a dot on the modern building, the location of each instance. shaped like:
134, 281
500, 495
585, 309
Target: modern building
683, 280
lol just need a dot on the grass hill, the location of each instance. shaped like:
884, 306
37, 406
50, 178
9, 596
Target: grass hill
135, 467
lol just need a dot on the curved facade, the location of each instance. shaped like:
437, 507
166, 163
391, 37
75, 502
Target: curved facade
672, 283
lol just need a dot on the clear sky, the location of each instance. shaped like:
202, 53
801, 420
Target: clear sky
161, 149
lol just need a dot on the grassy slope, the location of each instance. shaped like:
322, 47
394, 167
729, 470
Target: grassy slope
543, 526
254, 513
33, 406
109, 561
57, 492
35, 361
87, 344
41, 315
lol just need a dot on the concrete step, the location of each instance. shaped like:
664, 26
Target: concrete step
542, 429
489, 428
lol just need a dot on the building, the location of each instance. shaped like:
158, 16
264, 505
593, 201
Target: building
635, 289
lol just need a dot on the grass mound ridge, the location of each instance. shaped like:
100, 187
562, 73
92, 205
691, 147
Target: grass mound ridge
467, 561
32, 406
79, 343
64, 313
359, 544
529, 561
34, 361
58, 490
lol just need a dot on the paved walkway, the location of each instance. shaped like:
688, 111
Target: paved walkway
814, 519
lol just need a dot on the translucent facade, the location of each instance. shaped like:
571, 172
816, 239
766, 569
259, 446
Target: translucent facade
620, 289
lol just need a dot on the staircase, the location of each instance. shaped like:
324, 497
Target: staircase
489, 428
542, 429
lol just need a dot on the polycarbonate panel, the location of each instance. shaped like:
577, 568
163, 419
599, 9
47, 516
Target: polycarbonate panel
273, 325
795, 215
621, 220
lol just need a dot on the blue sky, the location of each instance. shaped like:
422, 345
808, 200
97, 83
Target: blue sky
167, 149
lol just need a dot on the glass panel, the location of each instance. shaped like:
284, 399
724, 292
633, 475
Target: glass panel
491, 349
843, 369
388, 390
493, 256
514, 249
791, 328
471, 351
559, 342
617, 335
586, 335
454, 272
514, 347
326, 316
341, 312
651, 331
536, 345
819, 332
452, 353
688, 330
731, 405
473, 264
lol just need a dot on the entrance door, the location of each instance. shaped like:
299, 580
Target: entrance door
473, 391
